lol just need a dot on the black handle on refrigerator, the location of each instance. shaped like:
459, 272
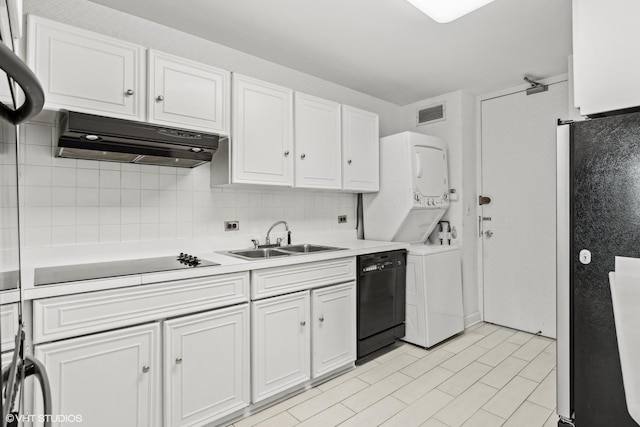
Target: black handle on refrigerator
19, 72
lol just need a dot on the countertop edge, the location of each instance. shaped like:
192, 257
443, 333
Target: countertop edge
232, 265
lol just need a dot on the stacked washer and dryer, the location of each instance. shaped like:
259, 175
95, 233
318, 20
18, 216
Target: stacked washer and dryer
413, 197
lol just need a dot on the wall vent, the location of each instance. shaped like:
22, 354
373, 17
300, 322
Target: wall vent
431, 114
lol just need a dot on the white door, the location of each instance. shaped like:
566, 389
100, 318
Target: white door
187, 94
334, 327
281, 341
360, 150
85, 71
318, 144
206, 366
519, 176
110, 379
262, 137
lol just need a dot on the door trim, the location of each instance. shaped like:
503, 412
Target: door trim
480, 212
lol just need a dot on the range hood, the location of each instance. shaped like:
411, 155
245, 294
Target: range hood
91, 137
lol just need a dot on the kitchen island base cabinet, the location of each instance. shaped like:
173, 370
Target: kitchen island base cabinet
206, 366
281, 339
109, 379
334, 327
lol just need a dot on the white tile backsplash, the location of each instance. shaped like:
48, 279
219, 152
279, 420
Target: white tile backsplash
69, 202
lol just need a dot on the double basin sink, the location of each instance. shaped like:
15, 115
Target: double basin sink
262, 253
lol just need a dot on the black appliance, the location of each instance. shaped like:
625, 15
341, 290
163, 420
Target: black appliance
598, 205
381, 293
91, 137
102, 270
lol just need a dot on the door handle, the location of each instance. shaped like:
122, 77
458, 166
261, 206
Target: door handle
488, 233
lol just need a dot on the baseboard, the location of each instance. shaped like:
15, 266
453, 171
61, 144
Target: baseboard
472, 319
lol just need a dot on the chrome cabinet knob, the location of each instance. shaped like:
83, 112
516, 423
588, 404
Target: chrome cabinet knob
160, 98
321, 318
303, 323
146, 369
302, 156
178, 360
129, 92
286, 153
349, 161
489, 233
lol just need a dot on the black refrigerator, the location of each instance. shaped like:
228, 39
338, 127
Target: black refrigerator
598, 219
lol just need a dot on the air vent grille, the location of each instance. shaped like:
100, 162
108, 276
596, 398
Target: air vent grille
430, 114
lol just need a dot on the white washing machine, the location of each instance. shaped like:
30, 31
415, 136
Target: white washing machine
413, 197
434, 294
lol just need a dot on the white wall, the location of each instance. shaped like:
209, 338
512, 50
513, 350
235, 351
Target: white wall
8, 201
69, 202
458, 130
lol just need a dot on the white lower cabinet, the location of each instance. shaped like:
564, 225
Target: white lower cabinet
109, 379
299, 336
115, 378
333, 327
280, 344
206, 366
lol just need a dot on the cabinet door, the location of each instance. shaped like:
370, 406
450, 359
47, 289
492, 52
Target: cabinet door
206, 366
187, 94
262, 134
8, 325
318, 143
85, 71
281, 343
334, 327
360, 145
110, 379
606, 64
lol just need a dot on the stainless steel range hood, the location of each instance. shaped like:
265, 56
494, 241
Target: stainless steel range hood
91, 137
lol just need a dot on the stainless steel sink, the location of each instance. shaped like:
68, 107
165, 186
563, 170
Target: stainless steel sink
262, 253
258, 253
308, 248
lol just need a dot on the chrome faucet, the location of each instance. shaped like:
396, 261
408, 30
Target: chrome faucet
267, 240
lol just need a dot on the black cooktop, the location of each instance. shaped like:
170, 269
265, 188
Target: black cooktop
103, 270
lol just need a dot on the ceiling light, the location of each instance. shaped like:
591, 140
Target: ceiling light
444, 11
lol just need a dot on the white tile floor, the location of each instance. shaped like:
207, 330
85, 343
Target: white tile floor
487, 376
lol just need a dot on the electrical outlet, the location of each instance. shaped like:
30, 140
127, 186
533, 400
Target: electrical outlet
231, 225
342, 219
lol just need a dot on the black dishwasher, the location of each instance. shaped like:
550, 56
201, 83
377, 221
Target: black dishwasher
381, 300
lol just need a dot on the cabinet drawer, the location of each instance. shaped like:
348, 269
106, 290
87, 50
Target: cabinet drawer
9, 322
67, 316
279, 280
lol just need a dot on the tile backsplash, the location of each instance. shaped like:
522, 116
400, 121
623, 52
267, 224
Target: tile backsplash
68, 202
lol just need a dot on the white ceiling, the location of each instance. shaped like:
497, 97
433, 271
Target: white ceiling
385, 48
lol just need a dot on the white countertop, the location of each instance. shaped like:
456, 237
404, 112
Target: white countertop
208, 251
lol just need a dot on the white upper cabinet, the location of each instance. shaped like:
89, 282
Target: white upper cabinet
187, 94
206, 366
360, 150
606, 64
262, 133
85, 71
317, 143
